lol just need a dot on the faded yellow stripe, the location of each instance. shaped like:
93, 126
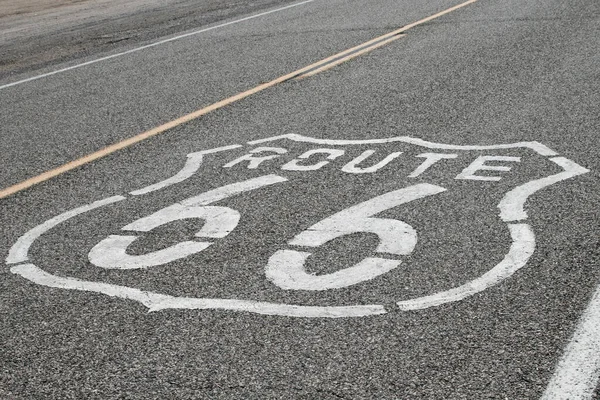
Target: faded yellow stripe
349, 57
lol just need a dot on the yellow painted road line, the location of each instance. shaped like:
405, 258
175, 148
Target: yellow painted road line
203, 111
349, 57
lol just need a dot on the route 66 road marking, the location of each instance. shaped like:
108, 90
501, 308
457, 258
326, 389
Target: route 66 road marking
286, 268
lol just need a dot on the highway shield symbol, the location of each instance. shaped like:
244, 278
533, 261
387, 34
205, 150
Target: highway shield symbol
306, 222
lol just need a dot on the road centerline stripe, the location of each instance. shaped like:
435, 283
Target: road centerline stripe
349, 53
354, 54
215, 106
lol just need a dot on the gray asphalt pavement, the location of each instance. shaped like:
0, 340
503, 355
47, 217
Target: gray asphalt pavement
251, 315
43, 33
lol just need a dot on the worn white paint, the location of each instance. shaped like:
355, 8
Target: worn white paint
430, 160
299, 165
111, 253
219, 221
353, 166
192, 165
512, 205
521, 249
395, 237
156, 302
254, 161
480, 165
535, 146
18, 252
578, 372
196, 159
190, 168
223, 192
286, 268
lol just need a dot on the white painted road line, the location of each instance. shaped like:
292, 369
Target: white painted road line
212, 196
192, 165
578, 372
18, 253
136, 49
535, 146
157, 302
512, 206
521, 249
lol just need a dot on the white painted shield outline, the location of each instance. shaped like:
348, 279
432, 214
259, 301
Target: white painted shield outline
512, 212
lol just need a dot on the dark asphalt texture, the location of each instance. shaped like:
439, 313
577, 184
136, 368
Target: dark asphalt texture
492, 72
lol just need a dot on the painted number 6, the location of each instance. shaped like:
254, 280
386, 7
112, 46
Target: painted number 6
286, 267
111, 253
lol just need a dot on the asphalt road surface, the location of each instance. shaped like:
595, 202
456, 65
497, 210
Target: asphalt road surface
327, 199
38, 33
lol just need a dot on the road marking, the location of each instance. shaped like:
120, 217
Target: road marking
348, 57
535, 146
295, 165
521, 249
480, 165
157, 302
134, 50
578, 372
195, 159
353, 166
111, 253
233, 189
18, 253
430, 160
254, 161
285, 268
203, 111
512, 206
191, 166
